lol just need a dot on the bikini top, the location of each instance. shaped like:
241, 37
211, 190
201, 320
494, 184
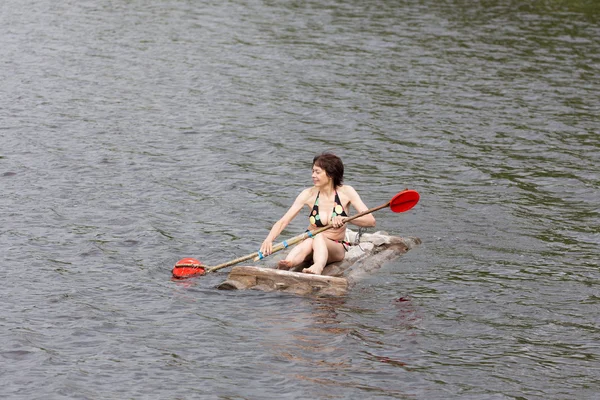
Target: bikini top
315, 218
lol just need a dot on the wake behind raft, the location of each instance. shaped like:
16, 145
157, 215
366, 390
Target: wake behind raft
372, 251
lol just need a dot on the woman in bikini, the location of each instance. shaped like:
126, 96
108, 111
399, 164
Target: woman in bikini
328, 201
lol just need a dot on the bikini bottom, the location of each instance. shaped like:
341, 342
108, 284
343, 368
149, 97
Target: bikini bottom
342, 242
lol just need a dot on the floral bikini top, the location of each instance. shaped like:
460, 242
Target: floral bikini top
315, 218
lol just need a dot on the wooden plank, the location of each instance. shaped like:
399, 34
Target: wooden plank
246, 277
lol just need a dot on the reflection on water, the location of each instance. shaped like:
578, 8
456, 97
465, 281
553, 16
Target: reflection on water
329, 349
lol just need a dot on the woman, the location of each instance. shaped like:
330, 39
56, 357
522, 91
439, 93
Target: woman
328, 201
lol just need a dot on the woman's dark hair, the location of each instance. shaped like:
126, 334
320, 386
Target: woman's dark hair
333, 166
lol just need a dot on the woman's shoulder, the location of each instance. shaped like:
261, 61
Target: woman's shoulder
347, 194
346, 190
308, 193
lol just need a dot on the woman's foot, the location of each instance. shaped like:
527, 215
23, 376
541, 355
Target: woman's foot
314, 270
284, 264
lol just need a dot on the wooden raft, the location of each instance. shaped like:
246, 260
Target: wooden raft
269, 279
373, 251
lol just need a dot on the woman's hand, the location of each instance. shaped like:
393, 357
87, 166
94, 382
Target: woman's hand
266, 248
338, 222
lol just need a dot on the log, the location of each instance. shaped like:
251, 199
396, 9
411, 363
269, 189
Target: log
374, 250
269, 279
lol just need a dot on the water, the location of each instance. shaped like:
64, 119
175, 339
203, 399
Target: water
133, 134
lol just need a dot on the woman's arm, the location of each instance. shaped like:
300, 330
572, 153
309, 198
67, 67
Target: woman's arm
267, 246
356, 202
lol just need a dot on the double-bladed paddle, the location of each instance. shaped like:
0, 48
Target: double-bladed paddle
188, 267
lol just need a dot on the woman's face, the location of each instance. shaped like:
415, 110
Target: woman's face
319, 176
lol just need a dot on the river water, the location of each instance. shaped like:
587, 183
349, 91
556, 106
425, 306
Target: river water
135, 133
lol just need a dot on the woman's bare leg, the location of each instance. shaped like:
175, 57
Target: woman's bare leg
297, 255
325, 251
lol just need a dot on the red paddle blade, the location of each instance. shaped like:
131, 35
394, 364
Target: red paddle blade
188, 267
404, 201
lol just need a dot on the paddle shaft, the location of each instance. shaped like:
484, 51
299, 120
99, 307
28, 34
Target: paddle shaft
280, 246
